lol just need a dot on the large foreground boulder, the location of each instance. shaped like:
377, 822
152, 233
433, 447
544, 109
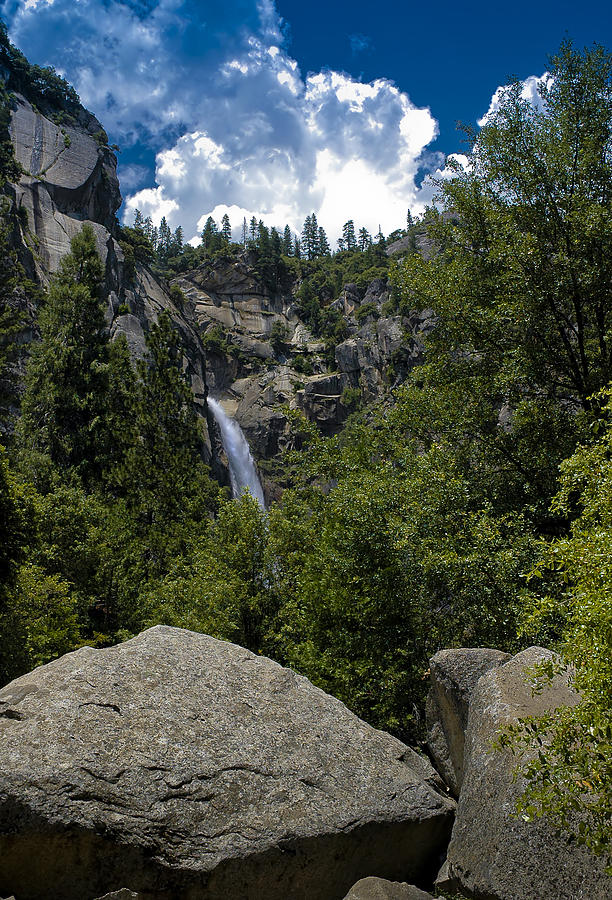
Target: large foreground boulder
494, 854
454, 676
176, 765
381, 889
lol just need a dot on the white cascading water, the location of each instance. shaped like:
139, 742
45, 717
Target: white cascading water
243, 473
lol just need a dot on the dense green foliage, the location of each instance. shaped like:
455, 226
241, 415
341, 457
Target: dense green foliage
107, 487
570, 779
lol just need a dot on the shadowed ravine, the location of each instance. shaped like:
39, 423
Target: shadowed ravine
243, 473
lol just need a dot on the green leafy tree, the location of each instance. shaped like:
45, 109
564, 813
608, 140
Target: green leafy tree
278, 335
224, 589
570, 772
529, 266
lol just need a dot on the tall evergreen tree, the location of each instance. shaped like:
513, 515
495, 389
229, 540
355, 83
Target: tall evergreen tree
365, 239
177, 241
209, 231
226, 228
164, 238
165, 455
348, 235
287, 242
310, 237
324, 248
63, 405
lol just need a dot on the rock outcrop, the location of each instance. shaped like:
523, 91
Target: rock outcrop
454, 676
176, 765
493, 853
69, 179
380, 889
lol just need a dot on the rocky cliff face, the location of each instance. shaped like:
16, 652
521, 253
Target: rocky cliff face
69, 179
259, 378
246, 345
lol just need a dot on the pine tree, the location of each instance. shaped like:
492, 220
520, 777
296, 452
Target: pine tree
226, 228
276, 246
139, 221
365, 239
310, 237
166, 453
287, 242
164, 237
245, 232
63, 410
253, 229
324, 248
147, 227
348, 235
177, 240
208, 233
266, 268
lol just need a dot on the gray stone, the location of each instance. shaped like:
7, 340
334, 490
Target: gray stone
183, 766
493, 853
379, 889
454, 675
123, 894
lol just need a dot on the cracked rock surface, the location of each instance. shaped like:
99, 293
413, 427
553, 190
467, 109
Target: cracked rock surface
177, 765
494, 854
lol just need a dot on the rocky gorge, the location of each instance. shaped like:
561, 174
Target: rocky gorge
173, 764
225, 315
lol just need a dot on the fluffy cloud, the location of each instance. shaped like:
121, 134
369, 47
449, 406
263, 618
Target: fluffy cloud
529, 92
326, 143
241, 129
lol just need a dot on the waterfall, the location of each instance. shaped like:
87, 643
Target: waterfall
243, 473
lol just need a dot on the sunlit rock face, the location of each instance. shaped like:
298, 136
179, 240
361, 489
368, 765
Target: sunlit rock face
69, 179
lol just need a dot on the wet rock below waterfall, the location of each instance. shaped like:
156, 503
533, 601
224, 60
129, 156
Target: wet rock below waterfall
176, 765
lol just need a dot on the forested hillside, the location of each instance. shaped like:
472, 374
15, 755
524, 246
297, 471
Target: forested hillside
465, 502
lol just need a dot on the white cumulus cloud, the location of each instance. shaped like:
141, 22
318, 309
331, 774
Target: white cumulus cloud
234, 123
529, 92
327, 143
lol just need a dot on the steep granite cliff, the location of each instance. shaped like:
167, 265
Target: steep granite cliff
68, 179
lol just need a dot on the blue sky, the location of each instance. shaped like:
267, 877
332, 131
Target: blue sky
278, 109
